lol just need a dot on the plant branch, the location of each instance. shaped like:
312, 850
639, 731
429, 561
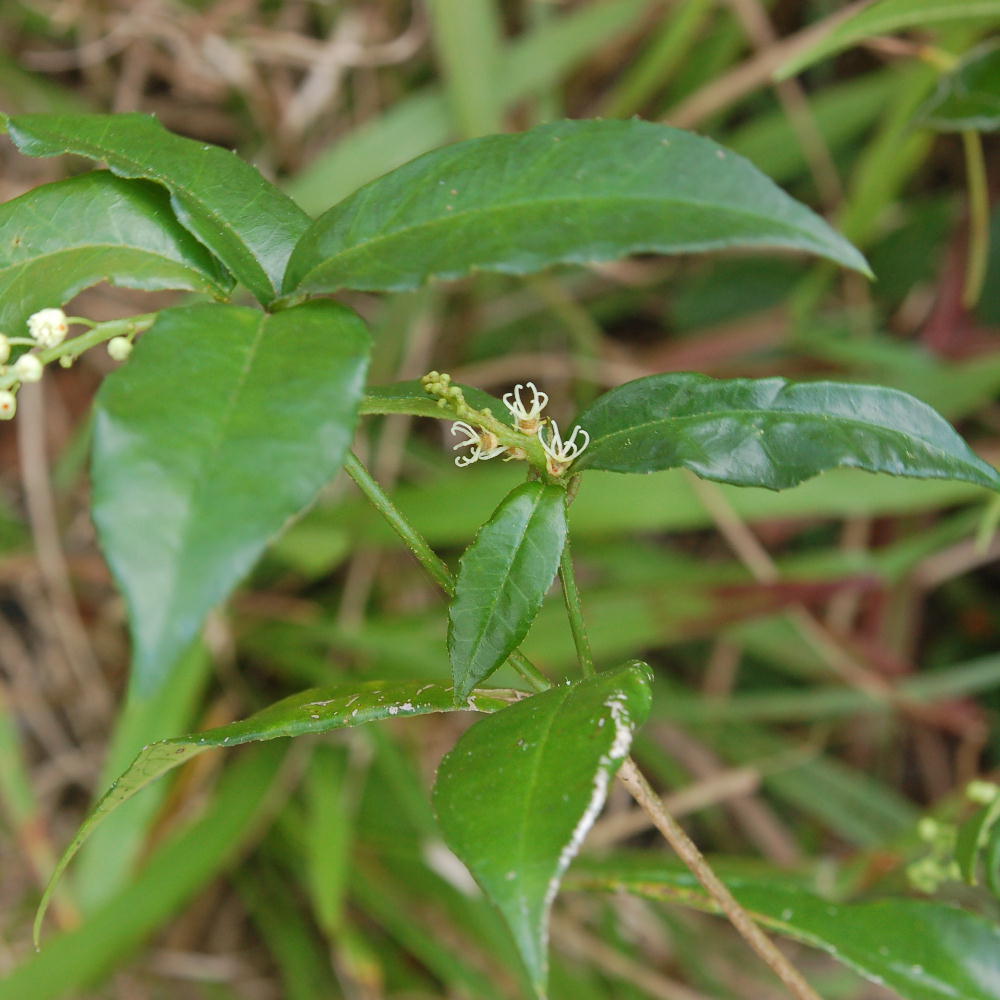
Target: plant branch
574, 609
979, 218
630, 775
633, 779
426, 556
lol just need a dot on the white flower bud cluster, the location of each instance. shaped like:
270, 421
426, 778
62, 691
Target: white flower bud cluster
47, 328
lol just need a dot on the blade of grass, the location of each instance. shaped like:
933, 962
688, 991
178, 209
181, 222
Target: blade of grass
653, 67
467, 39
422, 122
74, 961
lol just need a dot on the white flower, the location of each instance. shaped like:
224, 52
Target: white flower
119, 348
48, 327
4, 349
8, 405
528, 418
27, 368
561, 453
484, 444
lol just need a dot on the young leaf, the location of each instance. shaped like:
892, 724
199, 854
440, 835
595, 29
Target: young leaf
771, 432
502, 579
318, 710
520, 790
968, 98
924, 951
224, 423
61, 238
890, 16
569, 192
242, 218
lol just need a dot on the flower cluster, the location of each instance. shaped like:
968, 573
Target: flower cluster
487, 438
46, 328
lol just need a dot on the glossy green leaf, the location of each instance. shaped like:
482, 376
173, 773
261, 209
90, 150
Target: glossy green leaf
318, 710
241, 217
569, 192
923, 951
968, 98
891, 16
520, 790
771, 432
61, 238
224, 423
503, 577
410, 398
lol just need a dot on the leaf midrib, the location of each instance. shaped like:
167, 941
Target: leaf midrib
201, 481
531, 785
369, 245
488, 618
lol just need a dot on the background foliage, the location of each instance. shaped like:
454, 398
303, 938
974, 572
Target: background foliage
826, 665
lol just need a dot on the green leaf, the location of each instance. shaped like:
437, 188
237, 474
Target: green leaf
968, 98
502, 580
569, 192
771, 432
890, 16
973, 839
242, 218
520, 790
991, 860
61, 238
410, 397
318, 710
924, 951
224, 423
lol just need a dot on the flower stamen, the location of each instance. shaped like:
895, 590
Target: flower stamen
561, 454
529, 418
484, 444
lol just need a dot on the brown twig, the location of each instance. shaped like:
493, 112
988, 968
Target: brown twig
688, 852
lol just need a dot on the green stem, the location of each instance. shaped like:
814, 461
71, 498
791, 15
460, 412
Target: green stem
575, 611
101, 332
374, 493
74, 348
426, 556
979, 218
